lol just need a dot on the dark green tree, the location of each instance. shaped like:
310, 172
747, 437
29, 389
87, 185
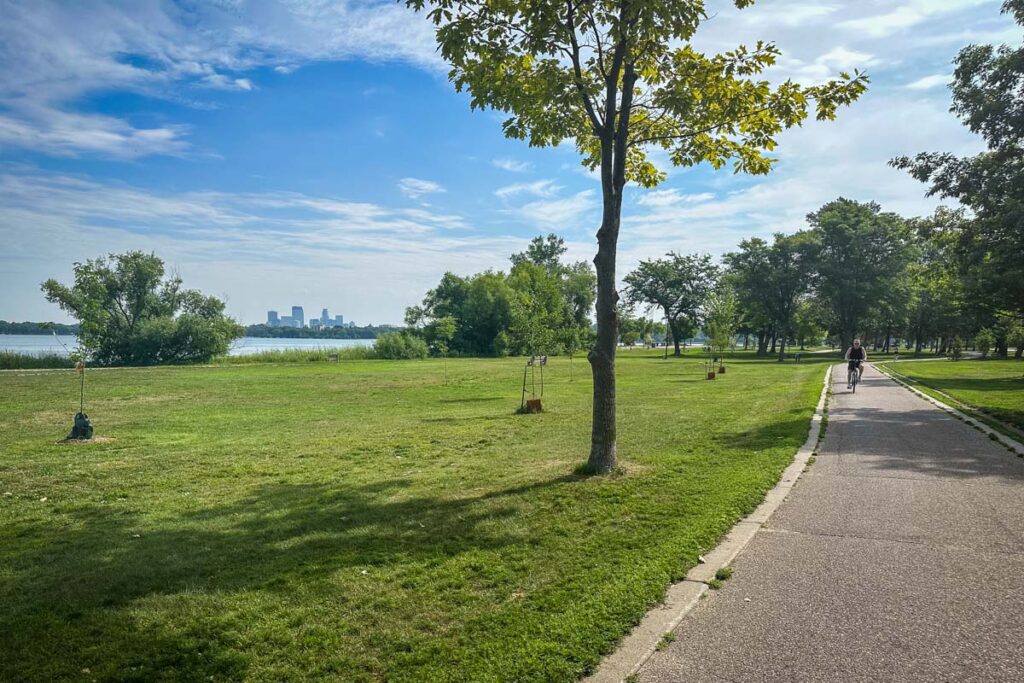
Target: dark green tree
678, 286
856, 252
128, 314
618, 77
988, 97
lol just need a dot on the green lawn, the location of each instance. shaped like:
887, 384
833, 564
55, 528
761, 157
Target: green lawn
993, 387
363, 521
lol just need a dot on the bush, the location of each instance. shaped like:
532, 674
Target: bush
400, 346
984, 341
129, 314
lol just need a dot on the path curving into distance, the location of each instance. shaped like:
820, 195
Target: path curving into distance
899, 556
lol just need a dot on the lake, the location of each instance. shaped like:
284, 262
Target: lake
40, 344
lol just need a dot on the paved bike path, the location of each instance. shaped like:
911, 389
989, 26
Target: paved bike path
899, 556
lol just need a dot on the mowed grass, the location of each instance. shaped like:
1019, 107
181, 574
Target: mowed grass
993, 387
363, 521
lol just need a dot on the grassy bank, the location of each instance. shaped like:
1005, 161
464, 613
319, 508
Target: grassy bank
9, 360
364, 521
988, 387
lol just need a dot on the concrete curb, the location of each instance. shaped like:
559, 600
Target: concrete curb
1010, 443
638, 646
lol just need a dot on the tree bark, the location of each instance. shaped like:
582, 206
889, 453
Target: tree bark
602, 355
614, 135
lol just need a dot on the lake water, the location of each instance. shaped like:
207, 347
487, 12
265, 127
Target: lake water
40, 344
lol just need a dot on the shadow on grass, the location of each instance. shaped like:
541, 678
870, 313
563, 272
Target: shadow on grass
792, 427
72, 597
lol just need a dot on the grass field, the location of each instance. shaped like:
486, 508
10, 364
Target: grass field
363, 521
993, 387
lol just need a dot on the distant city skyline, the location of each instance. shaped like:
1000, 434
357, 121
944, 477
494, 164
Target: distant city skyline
298, 319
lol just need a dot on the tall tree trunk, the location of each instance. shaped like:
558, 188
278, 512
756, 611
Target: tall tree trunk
614, 145
675, 337
762, 342
782, 347
602, 355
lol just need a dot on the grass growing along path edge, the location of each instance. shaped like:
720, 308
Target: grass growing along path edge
991, 390
363, 520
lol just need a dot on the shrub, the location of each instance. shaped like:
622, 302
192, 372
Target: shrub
400, 346
984, 341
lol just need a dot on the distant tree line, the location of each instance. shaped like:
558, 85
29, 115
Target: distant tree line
37, 328
367, 332
542, 305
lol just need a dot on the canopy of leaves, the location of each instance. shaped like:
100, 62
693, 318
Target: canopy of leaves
677, 285
542, 305
617, 76
988, 96
129, 314
856, 253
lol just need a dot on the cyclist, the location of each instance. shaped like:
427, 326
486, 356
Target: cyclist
855, 355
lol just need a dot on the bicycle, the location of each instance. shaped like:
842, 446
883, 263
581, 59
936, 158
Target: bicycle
855, 376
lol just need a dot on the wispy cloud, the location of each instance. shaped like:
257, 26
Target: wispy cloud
53, 53
559, 214
414, 188
930, 82
539, 188
262, 247
512, 165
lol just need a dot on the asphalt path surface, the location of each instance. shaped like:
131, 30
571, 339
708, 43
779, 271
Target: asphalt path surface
899, 556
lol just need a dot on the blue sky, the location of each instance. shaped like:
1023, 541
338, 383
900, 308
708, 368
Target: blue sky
310, 152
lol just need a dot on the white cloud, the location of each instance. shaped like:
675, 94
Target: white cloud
930, 82
539, 188
54, 53
414, 188
559, 214
672, 197
512, 165
262, 250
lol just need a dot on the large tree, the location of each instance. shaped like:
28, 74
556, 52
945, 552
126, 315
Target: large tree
988, 96
856, 253
616, 77
677, 285
128, 314
772, 280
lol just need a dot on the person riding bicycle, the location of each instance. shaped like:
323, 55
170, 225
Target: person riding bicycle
855, 356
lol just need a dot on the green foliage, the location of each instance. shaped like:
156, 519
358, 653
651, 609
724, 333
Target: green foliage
129, 315
721, 318
678, 286
988, 99
984, 340
770, 281
265, 331
400, 346
856, 253
539, 307
9, 360
618, 78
